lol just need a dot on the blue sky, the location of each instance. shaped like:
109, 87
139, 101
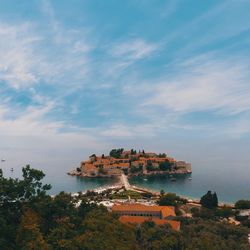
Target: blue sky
82, 76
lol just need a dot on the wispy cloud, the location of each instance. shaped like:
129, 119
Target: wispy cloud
31, 137
128, 131
28, 122
134, 49
204, 84
17, 55
25, 60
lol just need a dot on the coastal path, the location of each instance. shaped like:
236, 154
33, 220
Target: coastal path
124, 181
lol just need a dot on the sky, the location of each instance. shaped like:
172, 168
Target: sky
85, 76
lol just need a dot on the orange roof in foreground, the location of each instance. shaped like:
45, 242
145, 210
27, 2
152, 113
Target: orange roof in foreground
140, 219
165, 210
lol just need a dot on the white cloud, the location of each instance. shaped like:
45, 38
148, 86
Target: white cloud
16, 55
30, 138
29, 56
134, 49
29, 122
128, 131
204, 84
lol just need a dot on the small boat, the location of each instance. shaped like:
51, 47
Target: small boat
173, 179
3, 160
11, 169
145, 179
190, 178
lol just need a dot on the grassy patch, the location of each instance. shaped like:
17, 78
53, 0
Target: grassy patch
126, 194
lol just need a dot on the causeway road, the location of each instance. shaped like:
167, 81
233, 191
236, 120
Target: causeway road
124, 181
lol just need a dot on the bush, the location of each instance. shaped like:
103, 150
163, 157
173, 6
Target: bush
165, 166
171, 199
242, 204
224, 212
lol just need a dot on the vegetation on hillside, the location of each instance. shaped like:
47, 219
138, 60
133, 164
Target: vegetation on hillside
242, 204
31, 219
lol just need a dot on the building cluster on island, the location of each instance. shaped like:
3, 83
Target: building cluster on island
131, 163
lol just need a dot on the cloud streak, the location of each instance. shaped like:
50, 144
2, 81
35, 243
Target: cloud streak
134, 49
205, 84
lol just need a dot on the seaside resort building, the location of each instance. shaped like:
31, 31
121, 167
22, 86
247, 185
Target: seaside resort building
138, 213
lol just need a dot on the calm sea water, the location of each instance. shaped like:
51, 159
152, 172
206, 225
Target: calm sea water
229, 183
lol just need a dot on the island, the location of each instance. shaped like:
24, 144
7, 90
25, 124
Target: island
130, 163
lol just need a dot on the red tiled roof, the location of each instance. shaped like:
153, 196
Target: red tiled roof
165, 210
140, 219
89, 167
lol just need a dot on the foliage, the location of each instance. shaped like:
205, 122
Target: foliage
134, 169
30, 219
28, 233
133, 152
150, 166
171, 199
211, 235
93, 157
151, 236
209, 200
116, 153
242, 204
212, 214
224, 212
165, 166
126, 194
162, 155
204, 213
246, 223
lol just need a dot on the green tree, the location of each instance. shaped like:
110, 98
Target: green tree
29, 236
242, 204
209, 200
171, 199
224, 212
162, 155
14, 194
102, 231
165, 166
215, 200
61, 236
116, 153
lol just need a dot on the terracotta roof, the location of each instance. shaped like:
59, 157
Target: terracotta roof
89, 167
140, 219
165, 210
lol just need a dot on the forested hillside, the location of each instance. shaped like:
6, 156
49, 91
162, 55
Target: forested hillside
31, 219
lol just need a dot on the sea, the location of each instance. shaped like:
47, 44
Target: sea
230, 183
